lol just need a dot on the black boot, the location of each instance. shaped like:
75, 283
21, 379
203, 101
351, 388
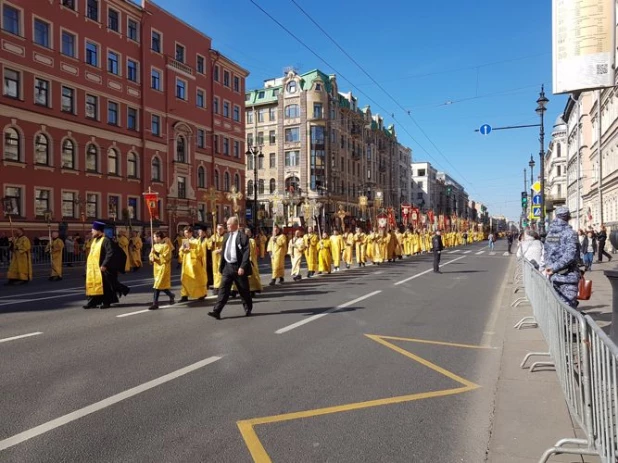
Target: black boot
272, 282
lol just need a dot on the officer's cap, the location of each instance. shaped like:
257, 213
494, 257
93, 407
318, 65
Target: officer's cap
563, 213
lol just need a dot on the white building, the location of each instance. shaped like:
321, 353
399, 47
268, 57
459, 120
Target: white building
556, 165
404, 175
424, 188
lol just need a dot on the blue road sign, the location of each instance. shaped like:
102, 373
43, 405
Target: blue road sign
485, 129
536, 211
536, 200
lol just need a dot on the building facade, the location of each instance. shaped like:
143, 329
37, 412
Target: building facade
425, 187
104, 99
318, 147
556, 166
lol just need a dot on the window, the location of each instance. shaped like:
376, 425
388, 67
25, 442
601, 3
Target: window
236, 149
292, 135
249, 139
226, 181
291, 88
260, 138
132, 70
558, 153
112, 113
226, 78
236, 84
216, 73
112, 20
92, 205
112, 63
92, 158
156, 169
41, 202
420, 185
318, 87
200, 98
155, 41
180, 88
250, 163
12, 144
92, 10
215, 104
92, 107
182, 188
215, 143
272, 163
41, 33
92, 54
419, 195
13, 194
68, 100
292, 158
292, 111
421, 172
200, 138
216, 179
273, 185
41, 150
113, 204
201, 177
272, 137
226, 146
11, 19
155, 125
261, 94
249, 117
180, 53
155, 79
181, 149
68, 44
132, 31
272, 114
236, 116
11, 83
260, 115
68, 204
41, 92
317, 110
113, 166
237, 182
261, 186
226, 109
132, 165
250, 187
68, 154
276, 92
132, 207
200, 64
132, 119
558, 170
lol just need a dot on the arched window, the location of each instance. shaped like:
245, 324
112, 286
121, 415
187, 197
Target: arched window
12, 144
261, 186
181, 149
113, 167
132, 165
226, 181
291, 185
237, 182
156, 169
291, 88
41, 150
216, 179
250, 187
292, 111
201, 177
68, 154
92, 158
273, 185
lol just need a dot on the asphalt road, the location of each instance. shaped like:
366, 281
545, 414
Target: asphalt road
327, 370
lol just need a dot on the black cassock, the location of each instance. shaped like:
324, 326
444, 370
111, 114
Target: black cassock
113, 259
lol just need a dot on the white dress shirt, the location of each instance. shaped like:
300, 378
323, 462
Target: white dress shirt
230, 248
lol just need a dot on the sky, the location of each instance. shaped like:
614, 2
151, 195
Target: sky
444, 68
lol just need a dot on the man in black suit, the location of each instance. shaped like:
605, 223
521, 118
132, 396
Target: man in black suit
437, 246
235, 267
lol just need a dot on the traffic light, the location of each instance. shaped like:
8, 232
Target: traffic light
524, 199
449, 190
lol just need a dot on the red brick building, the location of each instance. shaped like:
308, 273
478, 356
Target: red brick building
102, 99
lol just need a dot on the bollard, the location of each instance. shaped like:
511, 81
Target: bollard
612, 276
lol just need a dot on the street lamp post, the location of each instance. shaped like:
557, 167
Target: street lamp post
540, 109
256, 153
531, 163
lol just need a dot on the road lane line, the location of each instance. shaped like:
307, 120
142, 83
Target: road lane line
21, 336
426, 271
479, 253
77, 414
467, 252
132, 313
320, 315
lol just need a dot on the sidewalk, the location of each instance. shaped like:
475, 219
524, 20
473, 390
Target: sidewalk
530, 412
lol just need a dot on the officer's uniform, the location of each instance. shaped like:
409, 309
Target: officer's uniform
561, 255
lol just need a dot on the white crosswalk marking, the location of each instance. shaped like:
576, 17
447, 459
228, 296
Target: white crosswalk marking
492, 253
506, 254
480, 252
467, 252
452, 252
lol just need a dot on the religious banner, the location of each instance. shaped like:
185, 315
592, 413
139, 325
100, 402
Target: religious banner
440, 222
391, 217
152, 203
406, 210
431, 217
382, 220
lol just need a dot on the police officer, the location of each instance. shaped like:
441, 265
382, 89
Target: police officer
437, 246
562, 256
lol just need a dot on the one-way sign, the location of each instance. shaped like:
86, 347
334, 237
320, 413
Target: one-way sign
485, 129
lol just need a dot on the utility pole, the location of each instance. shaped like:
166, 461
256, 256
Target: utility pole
600, 160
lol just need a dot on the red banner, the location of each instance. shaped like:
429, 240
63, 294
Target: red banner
152, 203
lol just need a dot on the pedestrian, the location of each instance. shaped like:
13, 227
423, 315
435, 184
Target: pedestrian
465, 238
360, 243
531, 248
277, 246
216, 241
589, 249
601, 239
509, 240
296, 250
69, 249
325, 257
437, 246
135, 246
491, 239
235, 267
55, 249
161, 259
105, 260
193, 276
311, 251
123, 242
561, 255
337, 245
20, 269
255, 281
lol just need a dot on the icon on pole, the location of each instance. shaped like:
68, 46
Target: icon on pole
485, 129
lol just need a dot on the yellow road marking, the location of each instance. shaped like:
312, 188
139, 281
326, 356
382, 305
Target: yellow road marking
257, 450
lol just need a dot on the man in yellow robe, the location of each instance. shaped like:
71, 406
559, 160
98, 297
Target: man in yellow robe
216, 243
261, 241
369, 244
348, 239
55, 248
360, 242
20, 269
336, 247
277, 248
325, 257
255, 281
123, 242
135, 248
178, 244
161, 259
205, 242
193, 277
296, 250
311, 251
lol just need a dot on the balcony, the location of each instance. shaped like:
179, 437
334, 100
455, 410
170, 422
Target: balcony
356, 155
356, 131
382, 168
178, 66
